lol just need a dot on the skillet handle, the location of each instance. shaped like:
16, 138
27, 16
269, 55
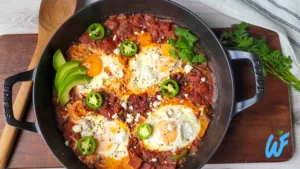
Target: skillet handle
7, 101
259, 78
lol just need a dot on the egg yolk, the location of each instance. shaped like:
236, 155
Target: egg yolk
105, 143
168, 130
94, 65
166, 49
117, 164
144, 39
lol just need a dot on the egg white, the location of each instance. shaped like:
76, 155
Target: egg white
105, 79
112, 137
187, 126
145, 73
150, 68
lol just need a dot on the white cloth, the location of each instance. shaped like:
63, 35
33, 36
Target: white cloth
281, 16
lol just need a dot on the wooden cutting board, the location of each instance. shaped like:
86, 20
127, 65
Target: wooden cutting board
246, 138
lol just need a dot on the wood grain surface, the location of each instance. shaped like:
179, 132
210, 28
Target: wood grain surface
30, 150
249, 131
246, 138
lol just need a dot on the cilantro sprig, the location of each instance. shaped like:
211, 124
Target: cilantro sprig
184, 48
273, 61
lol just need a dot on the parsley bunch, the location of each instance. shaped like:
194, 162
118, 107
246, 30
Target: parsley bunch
184, 47
273, 61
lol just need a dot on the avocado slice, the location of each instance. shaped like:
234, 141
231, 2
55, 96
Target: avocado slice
64, 70
58, 59
79, 70
67, 85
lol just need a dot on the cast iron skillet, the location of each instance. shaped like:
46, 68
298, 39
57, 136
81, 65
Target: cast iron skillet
224, 108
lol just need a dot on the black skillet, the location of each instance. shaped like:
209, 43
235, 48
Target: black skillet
224, 108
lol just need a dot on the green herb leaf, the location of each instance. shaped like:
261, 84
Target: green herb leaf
280, 132
172, 42
241, 26
198, 59
186, 55
273, 61
186, 34
172, 51
246, 43
184, 47
182, 43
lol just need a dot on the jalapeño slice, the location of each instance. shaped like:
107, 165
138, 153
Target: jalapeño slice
128, 48
169, 88
96, 31
86, 145
144, 131
179, 156
93, 100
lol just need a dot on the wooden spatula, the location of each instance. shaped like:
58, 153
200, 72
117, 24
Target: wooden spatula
52, 14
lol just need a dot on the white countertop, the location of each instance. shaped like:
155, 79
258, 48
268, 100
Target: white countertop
21, 17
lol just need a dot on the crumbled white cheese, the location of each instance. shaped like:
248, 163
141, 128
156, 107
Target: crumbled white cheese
150, 104
203, 79
158, 103
170, 127
181, 101
135, 33
149, 114
129, 118
186, 95
158, 97
137, 117
187, 68
115, 116
124, 105
67, 143
155, 104
115, 37
142, 32
86, 128
170, 112
76, 128
130, 107
153, 160
117, 51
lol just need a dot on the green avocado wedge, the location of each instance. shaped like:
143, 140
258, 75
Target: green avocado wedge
67, 85
63, 71
79, 70
58, 59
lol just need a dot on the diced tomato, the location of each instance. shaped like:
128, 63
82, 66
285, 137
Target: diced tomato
135, 161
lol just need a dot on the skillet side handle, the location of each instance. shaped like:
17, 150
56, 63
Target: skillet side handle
7, 101
259, 78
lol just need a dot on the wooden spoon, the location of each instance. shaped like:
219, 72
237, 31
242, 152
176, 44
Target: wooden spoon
52, 14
